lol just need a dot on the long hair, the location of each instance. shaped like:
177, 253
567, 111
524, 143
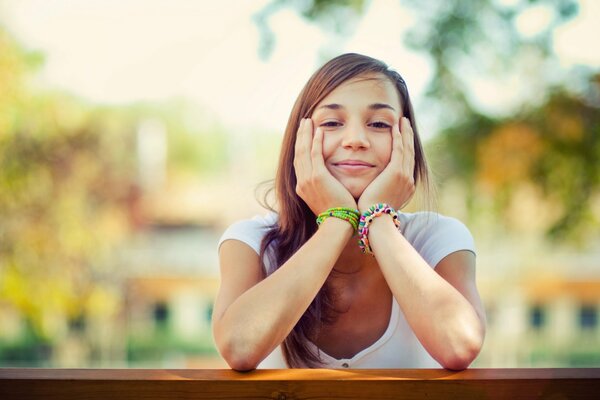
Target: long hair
296, 220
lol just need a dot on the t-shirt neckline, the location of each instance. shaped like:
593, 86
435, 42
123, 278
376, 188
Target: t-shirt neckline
377, 344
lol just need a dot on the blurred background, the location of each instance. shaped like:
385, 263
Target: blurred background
132, 133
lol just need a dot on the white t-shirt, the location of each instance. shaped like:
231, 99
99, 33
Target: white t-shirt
434, 236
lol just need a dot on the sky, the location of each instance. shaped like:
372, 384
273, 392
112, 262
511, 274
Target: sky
123, 51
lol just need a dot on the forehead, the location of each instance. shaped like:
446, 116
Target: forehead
365, 89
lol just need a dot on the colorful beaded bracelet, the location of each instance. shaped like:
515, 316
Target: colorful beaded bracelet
347, 214
365, 220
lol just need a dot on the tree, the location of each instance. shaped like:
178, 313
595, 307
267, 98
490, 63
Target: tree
553, 147
69, 194
65, 179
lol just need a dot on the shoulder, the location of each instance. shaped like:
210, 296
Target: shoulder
435, 235
250, 231
426, 222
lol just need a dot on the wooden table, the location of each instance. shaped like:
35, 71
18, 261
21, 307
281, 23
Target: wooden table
146, 384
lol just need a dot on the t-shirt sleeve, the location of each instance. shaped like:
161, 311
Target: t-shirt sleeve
249, 231
435, 236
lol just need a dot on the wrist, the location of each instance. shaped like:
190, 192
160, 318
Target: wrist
365, 207
382, 222
379, 216
350, 215
382, 226
337, 225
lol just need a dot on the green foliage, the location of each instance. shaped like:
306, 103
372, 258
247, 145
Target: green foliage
338, 16
582, 353
481, 35
569, 171
554, 146
61, 172
163, 344
198, 151
27, 351
15, 66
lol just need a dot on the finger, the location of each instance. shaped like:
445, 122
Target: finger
302, 150
299, 137
297, 146
397, 146
408, 145
308, 143
316, 153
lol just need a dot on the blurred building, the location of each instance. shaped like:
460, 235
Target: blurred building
169, 285
542, 310
169, 267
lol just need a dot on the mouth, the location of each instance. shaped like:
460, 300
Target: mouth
352, 163
353, 166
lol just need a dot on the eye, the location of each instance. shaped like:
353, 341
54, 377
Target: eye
330, 124
380, 125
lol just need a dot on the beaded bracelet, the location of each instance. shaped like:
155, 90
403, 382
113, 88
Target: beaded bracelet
347, 214
365, 220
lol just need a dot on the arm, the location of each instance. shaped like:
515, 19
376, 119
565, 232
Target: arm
442, 306
254, 315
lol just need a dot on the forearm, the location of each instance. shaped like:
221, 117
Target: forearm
261, 318
442, 318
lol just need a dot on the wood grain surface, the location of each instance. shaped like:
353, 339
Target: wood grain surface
146, 384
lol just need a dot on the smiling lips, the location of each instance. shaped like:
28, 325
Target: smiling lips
353, 165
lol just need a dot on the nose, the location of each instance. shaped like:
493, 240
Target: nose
355, 137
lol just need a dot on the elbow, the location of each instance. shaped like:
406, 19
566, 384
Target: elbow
463, 354
459, 360
238, 347
241, 364
237, 354
239, 360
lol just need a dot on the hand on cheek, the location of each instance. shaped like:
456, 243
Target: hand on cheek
395, 185
314, 183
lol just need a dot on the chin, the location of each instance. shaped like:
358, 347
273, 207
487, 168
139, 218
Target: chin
356, 190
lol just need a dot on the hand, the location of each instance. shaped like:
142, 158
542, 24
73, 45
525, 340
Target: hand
395, 185
314, 183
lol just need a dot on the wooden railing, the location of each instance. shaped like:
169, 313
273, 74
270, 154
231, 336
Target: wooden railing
146, 384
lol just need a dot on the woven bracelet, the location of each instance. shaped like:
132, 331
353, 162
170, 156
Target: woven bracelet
365, 220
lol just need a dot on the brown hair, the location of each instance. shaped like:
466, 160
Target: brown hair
296, 220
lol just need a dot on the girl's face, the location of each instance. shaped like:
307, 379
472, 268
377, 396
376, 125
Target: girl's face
357, 119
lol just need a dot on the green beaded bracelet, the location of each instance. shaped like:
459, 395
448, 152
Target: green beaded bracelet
347, 214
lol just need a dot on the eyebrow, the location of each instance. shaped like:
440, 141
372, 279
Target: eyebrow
374, 106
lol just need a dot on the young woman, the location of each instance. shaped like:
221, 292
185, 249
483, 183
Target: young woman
300, 293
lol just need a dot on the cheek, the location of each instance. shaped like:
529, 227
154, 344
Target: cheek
384, 149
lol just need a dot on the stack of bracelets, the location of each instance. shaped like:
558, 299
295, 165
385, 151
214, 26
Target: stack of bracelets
347, 214
365, 220
359, 222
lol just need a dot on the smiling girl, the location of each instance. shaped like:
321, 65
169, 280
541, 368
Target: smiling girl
338, 276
